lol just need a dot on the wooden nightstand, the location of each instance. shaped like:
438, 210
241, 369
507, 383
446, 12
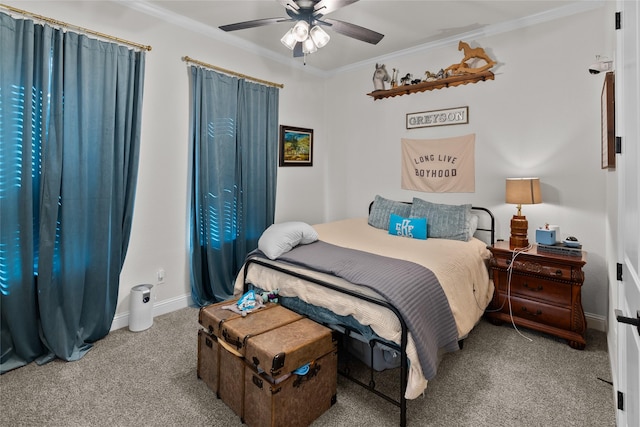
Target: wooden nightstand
545, 292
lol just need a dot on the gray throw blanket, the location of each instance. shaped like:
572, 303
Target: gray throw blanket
413, 289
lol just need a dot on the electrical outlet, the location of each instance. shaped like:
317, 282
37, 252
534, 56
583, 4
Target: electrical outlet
160, 276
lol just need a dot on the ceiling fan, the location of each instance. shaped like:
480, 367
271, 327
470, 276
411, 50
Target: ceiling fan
307, 35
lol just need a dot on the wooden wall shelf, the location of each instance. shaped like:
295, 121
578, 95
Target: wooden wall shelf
438, 84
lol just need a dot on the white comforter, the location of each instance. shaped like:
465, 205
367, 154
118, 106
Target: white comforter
459, 266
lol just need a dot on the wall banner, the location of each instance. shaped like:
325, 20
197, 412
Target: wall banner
444, 165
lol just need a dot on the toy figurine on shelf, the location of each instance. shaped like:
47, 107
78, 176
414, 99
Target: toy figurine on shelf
470, 54
442, 74
429, 76
394, 78
379, 77
406, 79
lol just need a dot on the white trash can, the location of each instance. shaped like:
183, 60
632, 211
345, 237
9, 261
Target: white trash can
140, 308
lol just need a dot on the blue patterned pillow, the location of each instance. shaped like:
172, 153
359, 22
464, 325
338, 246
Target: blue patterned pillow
416, 228
382, 208
445, 221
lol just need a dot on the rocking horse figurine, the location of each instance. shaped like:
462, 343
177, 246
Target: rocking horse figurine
379, 77
470, 54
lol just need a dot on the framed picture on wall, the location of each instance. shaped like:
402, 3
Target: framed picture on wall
296, 146
607, 101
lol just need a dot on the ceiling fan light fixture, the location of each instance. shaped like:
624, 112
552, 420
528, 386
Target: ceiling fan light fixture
301, 31
308, 25
319, 36
289, 39
308, 46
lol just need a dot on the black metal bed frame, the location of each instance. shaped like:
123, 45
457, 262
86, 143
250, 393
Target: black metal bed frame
402, 402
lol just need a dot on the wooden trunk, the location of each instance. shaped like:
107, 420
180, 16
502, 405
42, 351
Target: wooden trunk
231, 387
282, 350
222, 369
208, 359
213, 316
291, 400
238, 330
274, 339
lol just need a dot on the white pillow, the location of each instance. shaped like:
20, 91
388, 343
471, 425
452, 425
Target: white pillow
473, 225
281, 238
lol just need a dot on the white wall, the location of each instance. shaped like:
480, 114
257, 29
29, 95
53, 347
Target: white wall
540, 116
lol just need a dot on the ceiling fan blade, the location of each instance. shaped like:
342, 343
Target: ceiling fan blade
289, 4
297, 50
325, 7
252, 24
353, 30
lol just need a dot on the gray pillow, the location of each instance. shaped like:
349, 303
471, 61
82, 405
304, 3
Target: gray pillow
443, 221
382, 208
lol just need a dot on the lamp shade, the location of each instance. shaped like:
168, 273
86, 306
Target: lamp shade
319, 36
301, 31
289, 39
523, 191
308, 46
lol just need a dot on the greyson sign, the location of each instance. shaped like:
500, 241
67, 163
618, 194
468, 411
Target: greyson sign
450, 116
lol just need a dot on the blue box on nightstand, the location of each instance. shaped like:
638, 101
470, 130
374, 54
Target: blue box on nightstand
545, 237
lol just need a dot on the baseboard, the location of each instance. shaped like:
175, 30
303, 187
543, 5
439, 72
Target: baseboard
159, 308
594, 321
597, 322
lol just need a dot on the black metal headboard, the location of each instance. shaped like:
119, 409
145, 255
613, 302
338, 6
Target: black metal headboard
486, 212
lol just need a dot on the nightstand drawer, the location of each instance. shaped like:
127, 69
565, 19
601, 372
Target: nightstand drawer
537, 288
558, 271
541, 313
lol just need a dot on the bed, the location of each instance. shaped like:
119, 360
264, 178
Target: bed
350, 275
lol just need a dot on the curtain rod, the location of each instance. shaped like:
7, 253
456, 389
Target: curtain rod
73, 27
233, 73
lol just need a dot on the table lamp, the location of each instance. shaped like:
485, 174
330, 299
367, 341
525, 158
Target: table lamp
521, 191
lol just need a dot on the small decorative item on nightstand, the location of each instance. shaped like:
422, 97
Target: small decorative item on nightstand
545, 236
543, 291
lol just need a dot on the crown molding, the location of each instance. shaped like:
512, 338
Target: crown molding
217, 34
504, 27
490, 30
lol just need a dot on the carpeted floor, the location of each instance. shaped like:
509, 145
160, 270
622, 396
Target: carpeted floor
149, 379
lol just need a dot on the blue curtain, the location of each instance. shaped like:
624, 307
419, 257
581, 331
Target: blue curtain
234, 141
70, 112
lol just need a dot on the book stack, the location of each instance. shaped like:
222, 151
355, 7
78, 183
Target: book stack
561, 249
